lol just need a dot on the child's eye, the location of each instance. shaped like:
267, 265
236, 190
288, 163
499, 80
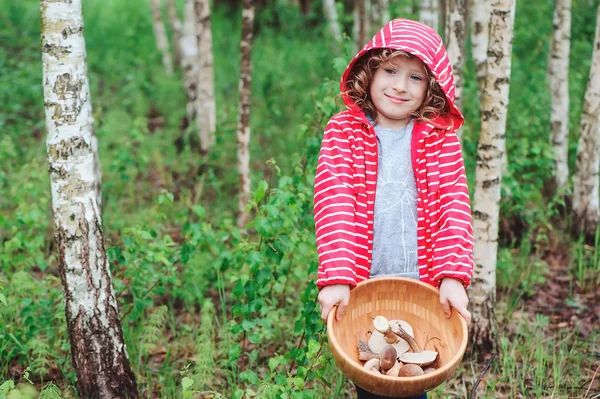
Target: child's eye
416, 77
389, 70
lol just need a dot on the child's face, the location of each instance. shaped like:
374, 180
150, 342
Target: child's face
397, 90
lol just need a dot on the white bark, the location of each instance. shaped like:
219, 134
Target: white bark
586, 185
97, 347
206, 110
243, 132
332, 20
488, 176
161, 37
480, 21
558, 75
430, 13
175, 23
94, 140
455, 45
189, 59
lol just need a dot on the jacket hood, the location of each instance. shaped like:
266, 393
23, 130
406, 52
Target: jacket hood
423, 42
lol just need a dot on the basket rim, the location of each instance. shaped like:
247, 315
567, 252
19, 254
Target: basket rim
381, 377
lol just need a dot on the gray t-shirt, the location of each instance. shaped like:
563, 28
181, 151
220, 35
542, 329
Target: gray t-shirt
395, 222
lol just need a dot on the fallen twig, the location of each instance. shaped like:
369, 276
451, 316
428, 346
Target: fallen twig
487, 367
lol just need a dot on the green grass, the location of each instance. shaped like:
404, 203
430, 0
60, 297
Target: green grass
207, 308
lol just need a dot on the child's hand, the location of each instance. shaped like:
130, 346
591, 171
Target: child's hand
452, 293
331, 295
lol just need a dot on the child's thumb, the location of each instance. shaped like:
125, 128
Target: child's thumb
341, 310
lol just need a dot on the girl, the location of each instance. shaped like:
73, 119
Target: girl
391, 196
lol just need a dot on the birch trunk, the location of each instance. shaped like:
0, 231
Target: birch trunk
455, 45
161, 37
97, 347
558, 75
94, 139
480, 26
488, 176
243, 133
175, 23
206, 111
189, 59
332, 19
430, 13
585, 191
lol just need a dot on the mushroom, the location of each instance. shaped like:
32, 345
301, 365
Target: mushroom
382, 325
410, 370
424, 358
407, 327
387, 358
393, 372
383, 335
373, 366
429, 370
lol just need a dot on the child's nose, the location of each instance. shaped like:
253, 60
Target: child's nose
400, 84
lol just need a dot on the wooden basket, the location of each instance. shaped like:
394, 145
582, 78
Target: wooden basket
397, 298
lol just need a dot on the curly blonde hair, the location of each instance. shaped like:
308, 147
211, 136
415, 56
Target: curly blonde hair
358, 84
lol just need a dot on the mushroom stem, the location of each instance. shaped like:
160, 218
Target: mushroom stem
382, 325
399, 331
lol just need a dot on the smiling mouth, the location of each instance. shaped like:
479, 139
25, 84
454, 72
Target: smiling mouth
396, 99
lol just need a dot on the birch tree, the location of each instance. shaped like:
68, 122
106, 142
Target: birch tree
160, 34
558, 75
480, 21
455, 44
175, 23
488, 174
586, 184
97, 347
206, 116
189, 59
243, 132
429, 14
332, 20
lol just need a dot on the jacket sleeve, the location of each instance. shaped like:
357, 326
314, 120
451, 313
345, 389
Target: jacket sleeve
453, 251
334, 205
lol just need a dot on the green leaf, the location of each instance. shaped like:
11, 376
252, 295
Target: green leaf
261, 191
3, 299
146, 236
249, 376
186, 383
7, 386
248, 325
199, 211
313, 348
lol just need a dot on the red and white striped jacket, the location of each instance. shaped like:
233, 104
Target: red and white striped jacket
346, 178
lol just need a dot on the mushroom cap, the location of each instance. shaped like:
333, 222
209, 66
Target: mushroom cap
405, 326
381, 324
372, 364
410, 370
377, 342
387, 358
424, 358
